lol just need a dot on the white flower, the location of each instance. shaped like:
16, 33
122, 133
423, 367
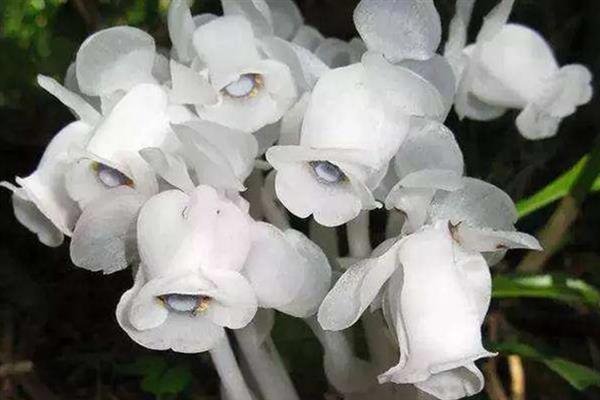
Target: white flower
40, 200
140, 119
341, 154
222, 72
512, 66
435, 300
205, 265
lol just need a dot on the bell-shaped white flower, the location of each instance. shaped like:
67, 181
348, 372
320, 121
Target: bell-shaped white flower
427, 161
40, 201
140, 119
400, 29
188, 286
341, 155
512, 66
223, 74
205, 264
114, 59
435, 300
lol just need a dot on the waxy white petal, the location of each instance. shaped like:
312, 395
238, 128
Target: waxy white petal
399, 29
115, 58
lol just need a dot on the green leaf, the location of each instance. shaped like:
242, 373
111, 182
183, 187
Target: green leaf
579, 376
556, 190
550, 286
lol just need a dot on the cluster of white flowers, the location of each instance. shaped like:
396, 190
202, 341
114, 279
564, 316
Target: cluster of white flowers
151, 176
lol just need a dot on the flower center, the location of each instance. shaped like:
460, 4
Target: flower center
110, 177
185, 303
246, 86
327, 172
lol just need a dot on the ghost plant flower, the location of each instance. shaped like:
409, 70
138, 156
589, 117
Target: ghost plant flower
343, 155
40, 201
512, 66
206, 265
222, 73
435, 300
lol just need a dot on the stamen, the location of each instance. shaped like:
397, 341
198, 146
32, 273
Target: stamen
247, 85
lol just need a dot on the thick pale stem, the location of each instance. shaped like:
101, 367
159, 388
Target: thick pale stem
265, 365
229, 371
274, 212
359, 243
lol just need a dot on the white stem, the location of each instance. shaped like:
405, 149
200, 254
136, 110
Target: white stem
265, 365
273, 211
359, 246
357, 230
229, 371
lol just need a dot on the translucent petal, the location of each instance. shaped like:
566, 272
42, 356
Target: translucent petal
355, 290
181, 28
308, 37
255, 11
291, 123
485, 239
305, 67
217, 152
45, 187
139, 120
227, 46
30, 216
178, 332
429, 145
115, 58
438, 72
286, 17
104, 237
406, 91
477, 204
457, 32
170, 167
413, 202
454, 384
288, 272
329, 124
513, 67
78, 105
399, 28
189, 87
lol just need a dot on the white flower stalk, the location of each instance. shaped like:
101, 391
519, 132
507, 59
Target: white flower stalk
428, 160
223, 74
512, 67
40, 201
444, 289
399, 29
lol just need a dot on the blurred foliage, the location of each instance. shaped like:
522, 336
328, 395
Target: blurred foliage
62, 318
